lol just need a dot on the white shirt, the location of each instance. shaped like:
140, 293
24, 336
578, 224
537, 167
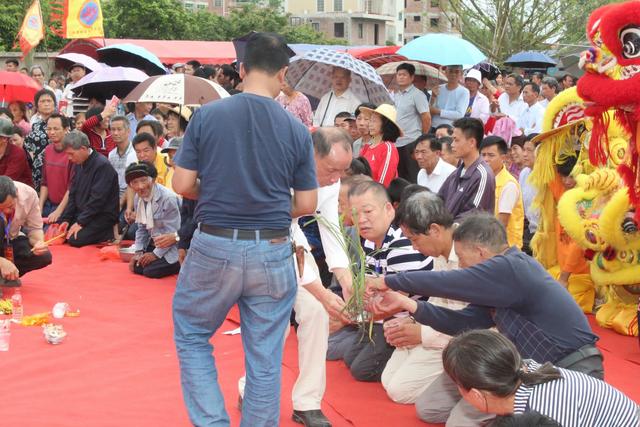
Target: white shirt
328, 226
120, 163
439, 175
531, 119
430, 337
481, 108
508, 198
331, 104
512, 109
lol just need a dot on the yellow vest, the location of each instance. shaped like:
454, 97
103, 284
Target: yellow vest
515, 227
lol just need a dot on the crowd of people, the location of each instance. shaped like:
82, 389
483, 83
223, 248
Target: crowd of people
431, 189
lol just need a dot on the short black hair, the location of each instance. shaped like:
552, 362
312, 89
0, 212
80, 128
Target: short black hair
205, 72
42, 92
445, 143
448, 127
395, 189
343, 115
551, 82
538, 74
183, 123
519, 80
492, 140
518, 140
64, 120
390, 132
266, 52
12, 61
94, 111
195, 64
471, 128
434, 143
142, 137
565, 169
527, 419
368, 105
534, 87
564, 77
7, 188
17, 130
155, 125
359, 166
157, 111
409, 68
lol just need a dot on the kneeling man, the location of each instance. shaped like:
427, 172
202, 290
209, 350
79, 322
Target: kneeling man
157, 215
22, 247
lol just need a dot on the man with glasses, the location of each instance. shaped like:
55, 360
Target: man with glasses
450, 101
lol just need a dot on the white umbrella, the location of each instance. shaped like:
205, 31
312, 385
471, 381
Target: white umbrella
311, 75
80, 58
181, 89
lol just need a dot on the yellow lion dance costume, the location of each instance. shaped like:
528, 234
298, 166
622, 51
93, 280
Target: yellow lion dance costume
596, 215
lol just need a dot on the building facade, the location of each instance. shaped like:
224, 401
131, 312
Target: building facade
427, 16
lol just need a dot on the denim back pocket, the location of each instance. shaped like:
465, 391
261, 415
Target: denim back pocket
204, 272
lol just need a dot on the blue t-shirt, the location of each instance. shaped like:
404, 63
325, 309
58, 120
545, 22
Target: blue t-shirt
249, 153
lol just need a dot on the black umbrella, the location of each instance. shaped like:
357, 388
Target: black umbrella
531, 59
487, 69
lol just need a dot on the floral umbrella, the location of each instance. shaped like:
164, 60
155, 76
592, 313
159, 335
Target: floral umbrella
181, 89
311, 75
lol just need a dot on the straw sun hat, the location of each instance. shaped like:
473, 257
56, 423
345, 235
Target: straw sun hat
385, 110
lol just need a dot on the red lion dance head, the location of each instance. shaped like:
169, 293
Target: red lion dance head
612, 82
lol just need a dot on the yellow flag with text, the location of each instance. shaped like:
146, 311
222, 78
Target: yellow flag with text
80, 19
32, 30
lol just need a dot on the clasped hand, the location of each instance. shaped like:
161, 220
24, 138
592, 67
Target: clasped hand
382, 301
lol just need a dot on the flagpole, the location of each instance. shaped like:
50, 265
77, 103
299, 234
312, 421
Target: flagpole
44, 40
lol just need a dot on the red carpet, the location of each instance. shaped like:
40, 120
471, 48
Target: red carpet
118, 363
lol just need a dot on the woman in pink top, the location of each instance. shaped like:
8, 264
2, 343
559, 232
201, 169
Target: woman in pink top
19, 111
381, 151
296, 103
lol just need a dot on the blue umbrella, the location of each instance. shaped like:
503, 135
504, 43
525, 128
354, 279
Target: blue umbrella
531, 59
131, 55
442, 49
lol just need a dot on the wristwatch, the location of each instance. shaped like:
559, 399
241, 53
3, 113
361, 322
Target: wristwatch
176, 236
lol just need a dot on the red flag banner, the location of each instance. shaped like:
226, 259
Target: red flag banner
32, 30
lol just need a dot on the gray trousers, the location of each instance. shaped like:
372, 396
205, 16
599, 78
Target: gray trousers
441, 402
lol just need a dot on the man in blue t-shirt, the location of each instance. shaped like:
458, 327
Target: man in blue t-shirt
241, 158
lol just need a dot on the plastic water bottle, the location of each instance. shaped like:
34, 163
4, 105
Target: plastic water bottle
17, 309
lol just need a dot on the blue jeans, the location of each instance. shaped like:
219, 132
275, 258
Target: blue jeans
257, 275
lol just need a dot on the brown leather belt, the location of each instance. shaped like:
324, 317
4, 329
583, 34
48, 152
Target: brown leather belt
231, 233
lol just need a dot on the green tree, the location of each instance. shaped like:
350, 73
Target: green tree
503, 27
207, 26
11, 15
146, 19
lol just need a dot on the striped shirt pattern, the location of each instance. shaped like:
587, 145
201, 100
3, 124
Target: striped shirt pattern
577, 400
396, 254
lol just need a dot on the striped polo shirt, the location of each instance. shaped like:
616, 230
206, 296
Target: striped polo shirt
395, 255
577, 400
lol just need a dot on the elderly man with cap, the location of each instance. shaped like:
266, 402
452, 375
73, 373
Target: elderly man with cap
13, 159
22, 247
157, 214
479, 106
70, 104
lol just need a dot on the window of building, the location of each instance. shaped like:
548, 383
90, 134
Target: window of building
435, 3
360, 31
218, 3
201, 6
434, 22
399, 38
400, 16
315, 26
295, 21
416, 18
337, 5
416, 37
320, 5
405, 22
338, 29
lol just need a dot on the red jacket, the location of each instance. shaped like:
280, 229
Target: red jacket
101, 146
383, 160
